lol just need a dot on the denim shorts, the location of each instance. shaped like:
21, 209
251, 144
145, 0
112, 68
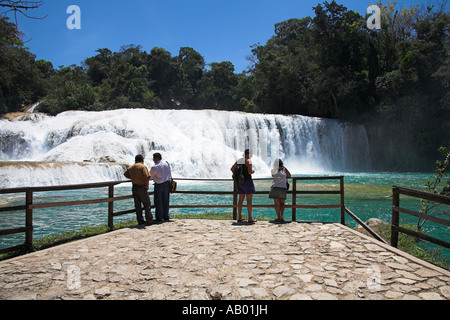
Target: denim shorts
247, 188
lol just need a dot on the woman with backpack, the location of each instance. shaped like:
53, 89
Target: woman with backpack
242, 175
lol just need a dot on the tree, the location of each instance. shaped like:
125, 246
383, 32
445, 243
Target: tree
99, 67
20, 6
121, 78
413, 53
282, 68
244, 93
192, 66
342, 44
70, 90
315, 66
217, 85
20, 76
164, 76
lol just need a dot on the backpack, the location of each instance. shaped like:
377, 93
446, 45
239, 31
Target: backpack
238, 174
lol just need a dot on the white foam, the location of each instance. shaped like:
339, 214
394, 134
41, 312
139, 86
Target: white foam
197, 143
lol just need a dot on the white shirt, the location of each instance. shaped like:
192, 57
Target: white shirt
160, 172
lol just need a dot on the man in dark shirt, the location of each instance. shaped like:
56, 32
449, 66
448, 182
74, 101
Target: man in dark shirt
140, 176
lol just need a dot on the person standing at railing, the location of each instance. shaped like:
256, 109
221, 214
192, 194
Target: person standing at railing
278, 190
140, 176
161, 174
247, 189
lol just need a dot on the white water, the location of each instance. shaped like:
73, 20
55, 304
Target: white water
197, 143
52, 174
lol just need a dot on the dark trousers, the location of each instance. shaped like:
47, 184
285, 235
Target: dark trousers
161, 198
141, 196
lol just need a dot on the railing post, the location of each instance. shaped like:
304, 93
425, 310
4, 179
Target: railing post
234, 200
341, 180
395, 216
29, 220
294, 199
110, 207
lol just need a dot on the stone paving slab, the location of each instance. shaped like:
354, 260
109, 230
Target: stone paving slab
212, 259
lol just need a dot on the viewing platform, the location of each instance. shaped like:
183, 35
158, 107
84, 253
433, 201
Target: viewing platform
222, 259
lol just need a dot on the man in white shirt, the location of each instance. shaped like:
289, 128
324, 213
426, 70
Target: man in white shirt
160, 174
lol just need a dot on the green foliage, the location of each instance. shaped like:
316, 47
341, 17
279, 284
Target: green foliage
435, 184
441, 173
412, 246
70, 92
21, 77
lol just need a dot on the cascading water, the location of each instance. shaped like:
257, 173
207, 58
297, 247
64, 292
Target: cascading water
197, 143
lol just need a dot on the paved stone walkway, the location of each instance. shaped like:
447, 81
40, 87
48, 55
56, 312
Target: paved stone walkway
210, 259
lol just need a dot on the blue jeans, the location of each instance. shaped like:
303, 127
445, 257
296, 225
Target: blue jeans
161, 198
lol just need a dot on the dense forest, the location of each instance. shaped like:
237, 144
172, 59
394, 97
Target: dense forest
395, 80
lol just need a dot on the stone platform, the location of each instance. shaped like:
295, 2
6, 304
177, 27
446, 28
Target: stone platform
213, 259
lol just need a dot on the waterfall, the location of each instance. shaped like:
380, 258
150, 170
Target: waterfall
26, 174
197, 143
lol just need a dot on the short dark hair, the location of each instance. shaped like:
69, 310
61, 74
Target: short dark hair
139, 158
247, 151
157, 155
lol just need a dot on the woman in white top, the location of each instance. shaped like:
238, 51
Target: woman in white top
278, 190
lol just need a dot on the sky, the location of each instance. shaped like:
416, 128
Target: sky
220, 30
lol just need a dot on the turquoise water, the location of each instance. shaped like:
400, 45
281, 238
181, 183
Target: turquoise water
366, 194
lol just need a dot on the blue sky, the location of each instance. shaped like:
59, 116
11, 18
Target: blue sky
220, 30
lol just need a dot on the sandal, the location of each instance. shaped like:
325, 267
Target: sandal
252, 221
241, 220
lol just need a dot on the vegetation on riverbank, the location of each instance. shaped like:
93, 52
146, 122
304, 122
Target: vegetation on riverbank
410, 245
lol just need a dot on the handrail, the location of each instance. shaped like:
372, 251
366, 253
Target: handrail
30, 206
396, 209
63, 188
365, 226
